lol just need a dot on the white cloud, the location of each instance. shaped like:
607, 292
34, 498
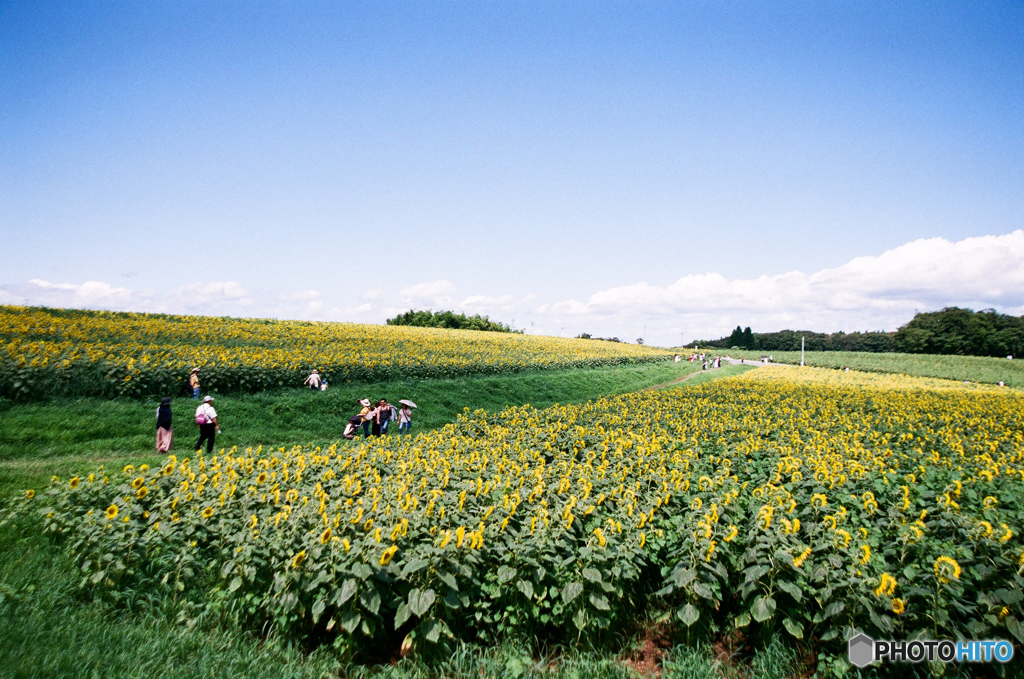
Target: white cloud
213, 297
94, 294
875, 292
436, 294
867, 293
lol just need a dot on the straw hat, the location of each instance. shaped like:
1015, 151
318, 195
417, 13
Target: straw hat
195, 370
364, 402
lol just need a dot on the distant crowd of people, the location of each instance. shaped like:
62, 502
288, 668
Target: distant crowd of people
703, 358
374, 420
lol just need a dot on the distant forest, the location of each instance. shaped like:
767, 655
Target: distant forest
950, 331
451, 320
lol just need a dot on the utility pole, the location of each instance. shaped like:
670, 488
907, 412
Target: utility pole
802, 351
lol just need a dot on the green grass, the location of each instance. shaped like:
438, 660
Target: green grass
973, 368
96, 426
707, 375
48, 629
68, 436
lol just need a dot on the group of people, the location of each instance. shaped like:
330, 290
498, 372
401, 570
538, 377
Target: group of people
375, 419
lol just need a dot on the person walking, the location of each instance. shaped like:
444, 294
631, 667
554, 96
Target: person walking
385, 413
375, 416
404, 419
193, 381
164, 435
313, 380
209, 427
367, 415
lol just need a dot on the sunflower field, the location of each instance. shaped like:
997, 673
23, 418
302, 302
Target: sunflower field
779, 500
51, 352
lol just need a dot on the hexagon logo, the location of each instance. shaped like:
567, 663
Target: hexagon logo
861, 650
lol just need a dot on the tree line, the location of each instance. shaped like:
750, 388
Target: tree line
450, 320
952, 331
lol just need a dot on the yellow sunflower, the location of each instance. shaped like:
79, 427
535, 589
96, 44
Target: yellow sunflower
946, 569
388, 554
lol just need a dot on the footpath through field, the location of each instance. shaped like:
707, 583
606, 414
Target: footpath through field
704, 375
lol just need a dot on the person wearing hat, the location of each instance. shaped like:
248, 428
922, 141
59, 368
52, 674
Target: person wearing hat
206, 418
313, 380
164, 436
193, 381
367, 416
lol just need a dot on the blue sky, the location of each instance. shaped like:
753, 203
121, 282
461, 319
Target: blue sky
616, 168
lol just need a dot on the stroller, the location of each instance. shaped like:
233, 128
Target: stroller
352, 427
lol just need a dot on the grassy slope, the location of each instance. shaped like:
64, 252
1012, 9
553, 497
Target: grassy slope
65, 437
46, 630
973, 368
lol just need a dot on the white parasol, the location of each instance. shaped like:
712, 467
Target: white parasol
407, 402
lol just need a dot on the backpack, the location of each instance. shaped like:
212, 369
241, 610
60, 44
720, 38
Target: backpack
201, 418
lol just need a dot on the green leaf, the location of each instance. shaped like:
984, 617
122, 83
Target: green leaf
349, 620
580, 619
763, 608
743, 619
448, 579
1014, 627
688, 614
420, 602
793, 627
402, 614
592, 574
412, 567
348, 590
506, 573
682, 577
834, 608
431, 631
318, 609
526, 587
701, 589
791, 589
236, 582
571, 591
370, 599
600, 602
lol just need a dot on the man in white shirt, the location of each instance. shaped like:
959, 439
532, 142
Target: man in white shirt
206, 418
